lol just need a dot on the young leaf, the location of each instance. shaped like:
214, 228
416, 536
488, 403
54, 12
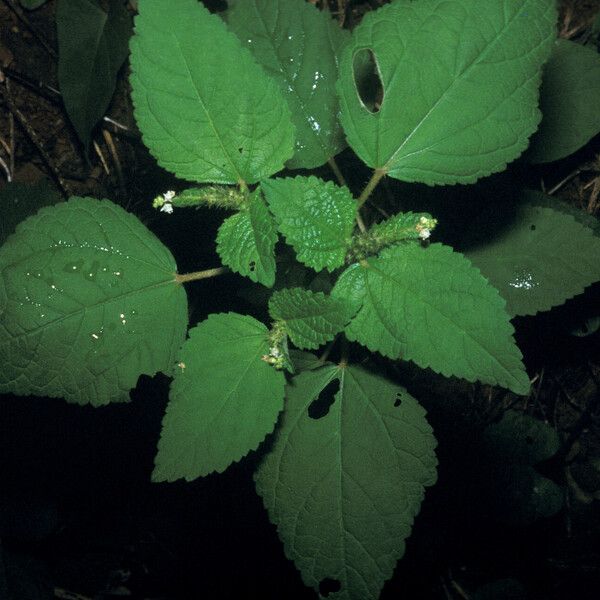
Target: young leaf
297, 45
207, 111
91, 303
569, 102
223, 401
92, 46
344, 488
315, 216
460, 86
430, 305
18, 201
310, 318
246, 242
541, 259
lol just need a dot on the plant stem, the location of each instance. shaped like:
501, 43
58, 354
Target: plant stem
342, 181
206, 274
345, 353
360, 222
371, 185
336, 171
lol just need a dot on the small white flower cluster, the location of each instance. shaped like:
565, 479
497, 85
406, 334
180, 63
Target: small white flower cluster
424, 227
274, 357
167, 206
164, 202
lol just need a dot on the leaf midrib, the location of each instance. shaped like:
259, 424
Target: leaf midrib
386, 167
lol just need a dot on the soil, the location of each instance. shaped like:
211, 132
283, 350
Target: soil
79, 517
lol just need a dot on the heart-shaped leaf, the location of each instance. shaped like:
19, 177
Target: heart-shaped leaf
344, 481
88, 303
459, 86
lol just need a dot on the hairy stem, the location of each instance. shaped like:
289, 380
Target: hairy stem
377, 176
206, 274
336, 171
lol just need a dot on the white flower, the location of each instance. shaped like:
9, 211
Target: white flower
167, 207
424, 233
168, 196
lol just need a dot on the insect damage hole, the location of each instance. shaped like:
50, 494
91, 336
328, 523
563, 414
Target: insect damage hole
398, 400
320, 406
329, 586
367, 80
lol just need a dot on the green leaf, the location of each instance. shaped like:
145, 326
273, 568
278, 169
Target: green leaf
569, 103
90, 304
32, 4
516, 491
246, 242
223, 401
18, 201
430, 305
460, 86
297, 45
310, 318
540, 259
92, 46
206, 110
540, 199
315, 216
344, 489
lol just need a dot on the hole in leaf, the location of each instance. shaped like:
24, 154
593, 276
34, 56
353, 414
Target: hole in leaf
240, 149
320, 406
252, 266
329, 586
398, 400
367, 80
532, 227
529, 440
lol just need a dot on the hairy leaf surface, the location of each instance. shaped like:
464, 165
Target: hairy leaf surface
91, 303
92, 46
569, 102
206, 110
246, 242
315, 216
311, 318
459, 86
345, 488
297, 45
223, 401
541, 258
431, 306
